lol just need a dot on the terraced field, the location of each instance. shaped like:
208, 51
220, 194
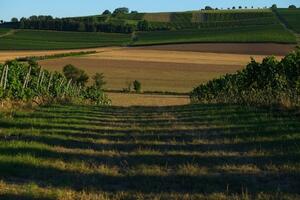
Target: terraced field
291, 18
252, 34
181, 152
46, 40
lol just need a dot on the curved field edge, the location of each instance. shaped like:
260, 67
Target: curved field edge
67, 152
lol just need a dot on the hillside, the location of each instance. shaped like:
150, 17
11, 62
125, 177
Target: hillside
291, 17
184, 152
149, 28
44, 40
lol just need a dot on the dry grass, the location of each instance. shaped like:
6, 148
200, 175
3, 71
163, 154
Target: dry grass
158, 70
122, 99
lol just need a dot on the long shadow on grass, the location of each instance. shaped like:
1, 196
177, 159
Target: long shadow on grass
210, 183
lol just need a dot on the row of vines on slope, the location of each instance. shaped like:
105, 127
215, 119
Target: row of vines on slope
29, 82
271, 82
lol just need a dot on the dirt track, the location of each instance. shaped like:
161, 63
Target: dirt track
234, 48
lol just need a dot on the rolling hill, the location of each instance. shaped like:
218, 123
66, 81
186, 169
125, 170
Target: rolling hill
161, 28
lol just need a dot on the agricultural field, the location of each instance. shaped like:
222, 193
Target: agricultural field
270, 33
90, 152
157, 70
291, 18
48, 40
3, 31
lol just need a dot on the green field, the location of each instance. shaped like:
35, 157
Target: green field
291, 17
3, 31
32, 39
270, 33
183, 152
186, 27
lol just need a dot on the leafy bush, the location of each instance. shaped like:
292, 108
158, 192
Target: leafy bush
271, 82
78, 76
137, 86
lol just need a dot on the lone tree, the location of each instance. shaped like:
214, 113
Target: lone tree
122, 10
274, 6
137, 86
99, 81
14, 19
292, 7
78, 76
208, 8
106, 12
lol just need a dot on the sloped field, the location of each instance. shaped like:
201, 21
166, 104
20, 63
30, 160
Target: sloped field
182, 152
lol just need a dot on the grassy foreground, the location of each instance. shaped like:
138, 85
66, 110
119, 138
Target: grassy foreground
182, 152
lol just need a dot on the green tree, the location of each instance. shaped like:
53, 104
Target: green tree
274, 6
292, 7
14, 19
78, 76
208, 8
106, 12
122, 10
137, 86
99, 81
143, 25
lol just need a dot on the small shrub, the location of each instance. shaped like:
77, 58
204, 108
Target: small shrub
77, 76
137, 86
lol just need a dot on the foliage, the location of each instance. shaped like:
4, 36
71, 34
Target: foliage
143, 25
292, 7
99, 81
26, 82
137, 86
122, 10
60, 55
78, 76
106, 12
271, 82
14, 19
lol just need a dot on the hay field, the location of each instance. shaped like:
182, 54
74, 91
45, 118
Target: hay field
127, 100
158, 70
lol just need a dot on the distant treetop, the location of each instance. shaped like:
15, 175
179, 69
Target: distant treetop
292, 7
106, 12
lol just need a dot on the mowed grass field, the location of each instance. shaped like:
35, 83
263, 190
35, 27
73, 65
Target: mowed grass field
157, 70
47, 40
268, 33
182, 152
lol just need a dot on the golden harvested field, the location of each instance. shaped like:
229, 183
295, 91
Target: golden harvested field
123, 99
157, 70
174, 68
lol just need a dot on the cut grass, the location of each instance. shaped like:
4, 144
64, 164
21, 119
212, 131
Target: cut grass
291, 17
182, 152
268, 33
45, 40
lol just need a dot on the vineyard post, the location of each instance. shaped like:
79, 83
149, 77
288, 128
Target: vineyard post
2, 77
6, 76
49, 84
26, 79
